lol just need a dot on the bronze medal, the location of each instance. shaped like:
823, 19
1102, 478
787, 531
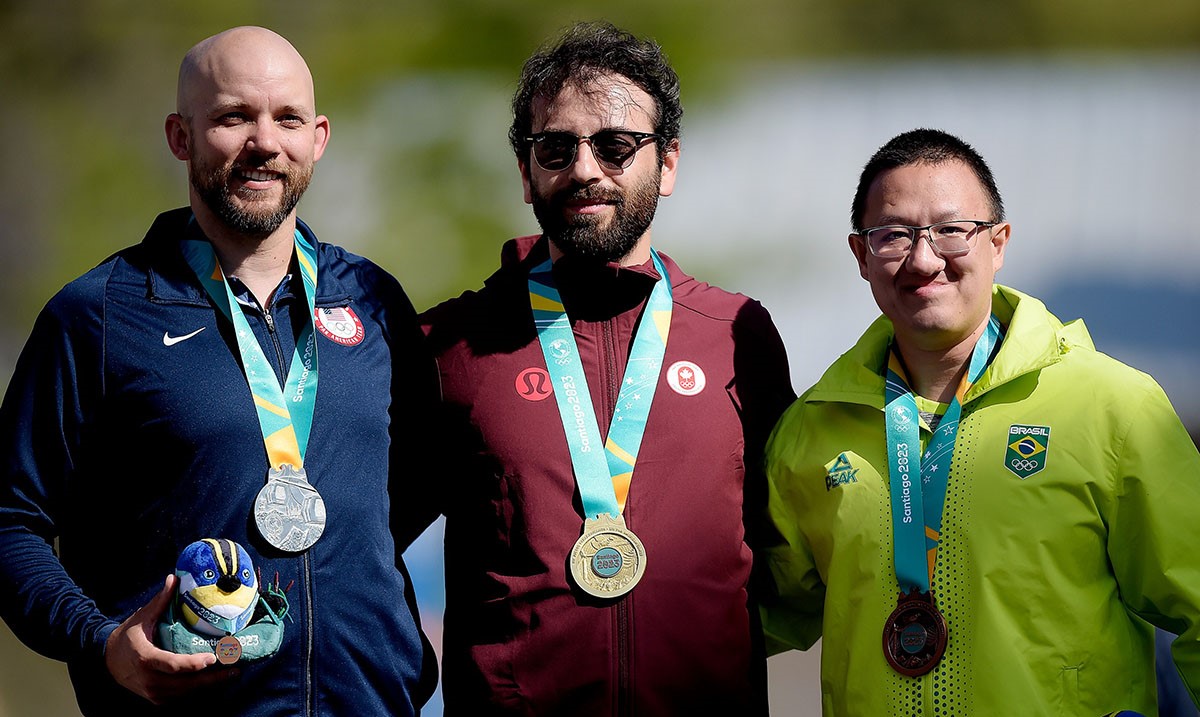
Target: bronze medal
608, 559
914, 637
228, 649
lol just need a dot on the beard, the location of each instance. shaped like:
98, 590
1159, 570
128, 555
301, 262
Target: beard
255, 216
588, 236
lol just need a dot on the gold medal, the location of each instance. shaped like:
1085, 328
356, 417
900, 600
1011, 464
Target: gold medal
228, 649
608, 559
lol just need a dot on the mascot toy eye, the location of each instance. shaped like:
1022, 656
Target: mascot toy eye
218, 589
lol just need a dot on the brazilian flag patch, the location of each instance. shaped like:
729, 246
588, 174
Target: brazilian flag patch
1027, 449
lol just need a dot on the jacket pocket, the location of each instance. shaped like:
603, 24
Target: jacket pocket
1069, 707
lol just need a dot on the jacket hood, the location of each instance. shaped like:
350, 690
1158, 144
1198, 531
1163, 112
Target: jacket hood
1033, 339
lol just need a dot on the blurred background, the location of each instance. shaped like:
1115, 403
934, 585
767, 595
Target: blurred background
1087, 111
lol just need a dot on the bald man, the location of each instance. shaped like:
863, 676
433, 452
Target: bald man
171, 394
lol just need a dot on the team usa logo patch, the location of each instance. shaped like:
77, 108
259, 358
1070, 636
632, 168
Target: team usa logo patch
340, 325
685, 378
533, 384
1027, 449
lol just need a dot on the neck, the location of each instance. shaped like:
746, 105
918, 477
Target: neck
258, 262
640, 254
934, 370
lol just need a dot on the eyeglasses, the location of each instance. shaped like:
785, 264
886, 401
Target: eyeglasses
613, 148
894, 241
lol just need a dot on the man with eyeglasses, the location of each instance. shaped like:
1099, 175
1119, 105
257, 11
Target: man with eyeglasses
977, 511
597, 560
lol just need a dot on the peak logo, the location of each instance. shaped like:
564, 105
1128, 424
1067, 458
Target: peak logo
839, 472
1027, 449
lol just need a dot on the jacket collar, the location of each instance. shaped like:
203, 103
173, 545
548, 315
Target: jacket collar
591, 290
171, 281
1033, 339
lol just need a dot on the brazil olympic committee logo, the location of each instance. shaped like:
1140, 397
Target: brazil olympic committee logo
1027, 447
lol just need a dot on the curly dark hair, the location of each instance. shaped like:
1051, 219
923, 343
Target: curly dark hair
588, 51
924, 146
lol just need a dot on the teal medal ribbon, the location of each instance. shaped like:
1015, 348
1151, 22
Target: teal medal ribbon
918, 487
915, 635
598, 474
608, 559
289, 511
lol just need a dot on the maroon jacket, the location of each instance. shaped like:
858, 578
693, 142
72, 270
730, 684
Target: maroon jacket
519, 638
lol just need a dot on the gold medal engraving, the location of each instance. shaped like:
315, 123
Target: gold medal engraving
608, 559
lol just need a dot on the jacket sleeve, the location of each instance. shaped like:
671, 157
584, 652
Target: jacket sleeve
1154, 531
42, 420
764, 391
793, 606
413, 473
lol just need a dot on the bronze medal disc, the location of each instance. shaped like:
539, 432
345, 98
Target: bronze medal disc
228, 649
608, 559
914, 637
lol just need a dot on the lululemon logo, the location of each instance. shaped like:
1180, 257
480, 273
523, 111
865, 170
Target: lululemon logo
533, 384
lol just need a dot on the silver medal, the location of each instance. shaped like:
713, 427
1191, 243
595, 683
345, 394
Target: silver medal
289, 512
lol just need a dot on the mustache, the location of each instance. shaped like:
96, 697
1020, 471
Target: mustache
588, 193
260, 164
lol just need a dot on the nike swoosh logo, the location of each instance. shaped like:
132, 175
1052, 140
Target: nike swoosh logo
169, 340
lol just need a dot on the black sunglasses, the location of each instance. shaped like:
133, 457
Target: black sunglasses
613, 148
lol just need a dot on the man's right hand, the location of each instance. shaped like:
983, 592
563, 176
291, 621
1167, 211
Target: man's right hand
155, 674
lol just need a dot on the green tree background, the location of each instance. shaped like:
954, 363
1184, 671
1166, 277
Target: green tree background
421, 88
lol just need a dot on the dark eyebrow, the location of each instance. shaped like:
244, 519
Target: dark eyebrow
602, 129
891, 220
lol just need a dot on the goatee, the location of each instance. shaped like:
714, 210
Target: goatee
252, 216
590, 236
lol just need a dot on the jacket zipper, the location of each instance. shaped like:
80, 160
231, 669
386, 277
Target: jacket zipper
310, 697
279, 359
310, 707
624, 705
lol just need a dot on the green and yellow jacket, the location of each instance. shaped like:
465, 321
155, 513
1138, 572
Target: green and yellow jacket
1059, 547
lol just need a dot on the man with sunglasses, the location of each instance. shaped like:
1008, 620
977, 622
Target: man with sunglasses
597, 560
977, 511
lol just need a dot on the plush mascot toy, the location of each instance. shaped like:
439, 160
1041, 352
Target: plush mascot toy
218, 588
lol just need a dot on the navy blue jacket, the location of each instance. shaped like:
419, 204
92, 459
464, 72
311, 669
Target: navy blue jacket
126, 449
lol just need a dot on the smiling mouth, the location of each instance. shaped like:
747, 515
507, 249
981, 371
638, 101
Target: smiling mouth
259, 175
929, 289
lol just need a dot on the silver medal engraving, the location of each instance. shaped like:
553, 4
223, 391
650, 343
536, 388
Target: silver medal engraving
289, 512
